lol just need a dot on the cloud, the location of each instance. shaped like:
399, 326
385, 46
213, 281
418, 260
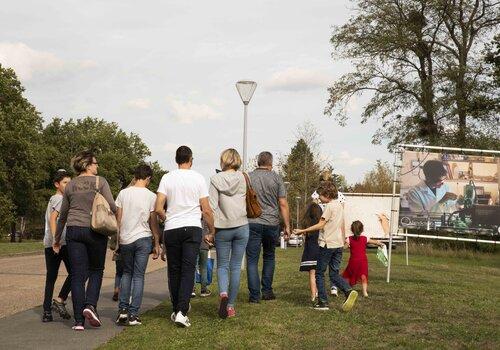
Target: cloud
186, 112
27, 62
346, 158
139, 103
297, 79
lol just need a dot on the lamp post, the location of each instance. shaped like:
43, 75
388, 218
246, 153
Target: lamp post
297, 203
246, 89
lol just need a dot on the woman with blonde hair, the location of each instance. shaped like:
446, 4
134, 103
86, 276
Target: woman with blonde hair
228, 201
86, 248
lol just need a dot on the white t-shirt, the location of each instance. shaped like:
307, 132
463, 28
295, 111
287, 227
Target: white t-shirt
184, 188
136, 203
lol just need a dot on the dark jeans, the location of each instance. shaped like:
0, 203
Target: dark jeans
183, 245
266, 236
87, 255
331, 257
53, 261
119, 271
134, 257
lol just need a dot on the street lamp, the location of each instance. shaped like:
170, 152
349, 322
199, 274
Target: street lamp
297, 203
245, 89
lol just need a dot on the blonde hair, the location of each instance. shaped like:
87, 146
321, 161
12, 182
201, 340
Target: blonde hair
82, 160
230, 159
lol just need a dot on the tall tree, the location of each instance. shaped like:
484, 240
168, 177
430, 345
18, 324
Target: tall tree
21, 150
377, 180
418, 58
119, 153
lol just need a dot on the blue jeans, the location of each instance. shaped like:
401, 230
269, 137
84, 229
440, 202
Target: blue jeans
331, 257
230, 247
134, 258
201, 263
87, 255
266, 236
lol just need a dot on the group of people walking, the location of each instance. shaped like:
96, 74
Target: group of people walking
193, 215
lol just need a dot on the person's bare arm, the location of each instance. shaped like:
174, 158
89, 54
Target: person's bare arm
155, 228
119, 215
319, 226
53, 228
161, 199
208, 216
375, 242
285, 213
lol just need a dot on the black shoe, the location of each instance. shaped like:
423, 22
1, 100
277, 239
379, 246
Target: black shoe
122, 316
205, 293
134, 320
91, 315
253, 301
47, 316
321, 305
60, 308
268, 296
115, 297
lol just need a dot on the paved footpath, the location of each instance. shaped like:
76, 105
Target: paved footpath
21, 288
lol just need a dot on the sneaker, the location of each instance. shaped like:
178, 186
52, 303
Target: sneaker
60, 308
122, 316
349, 301
134, 320
47, 316
268, 296
231, 312
253, 301
172, 317
115, 296
78, 327
321, 305
181, 320
92, 316
193, 294
223, 306
205, 293
334, 291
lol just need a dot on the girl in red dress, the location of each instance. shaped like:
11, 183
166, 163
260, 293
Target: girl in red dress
357, 268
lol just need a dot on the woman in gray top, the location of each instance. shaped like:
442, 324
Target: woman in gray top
228, 200
86, 248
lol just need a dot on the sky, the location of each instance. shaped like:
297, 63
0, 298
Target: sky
166, 70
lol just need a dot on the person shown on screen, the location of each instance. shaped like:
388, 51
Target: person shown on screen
432, 195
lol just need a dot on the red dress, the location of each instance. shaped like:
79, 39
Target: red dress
358, 262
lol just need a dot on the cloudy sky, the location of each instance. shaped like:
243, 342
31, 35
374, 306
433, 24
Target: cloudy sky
166, 71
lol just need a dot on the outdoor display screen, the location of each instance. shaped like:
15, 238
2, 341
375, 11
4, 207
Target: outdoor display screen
450, 191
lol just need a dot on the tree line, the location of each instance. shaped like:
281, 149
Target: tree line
30, 154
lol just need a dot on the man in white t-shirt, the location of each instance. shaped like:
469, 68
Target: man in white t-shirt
138, 223
185, 193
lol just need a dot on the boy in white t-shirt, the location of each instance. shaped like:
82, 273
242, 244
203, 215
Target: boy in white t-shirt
138, 224
185, 194
331, 242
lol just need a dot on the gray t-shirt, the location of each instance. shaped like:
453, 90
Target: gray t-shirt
54, 205
77, 201
270, 188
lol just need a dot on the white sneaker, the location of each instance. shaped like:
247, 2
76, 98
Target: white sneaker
172, 317
181, 320
334, 291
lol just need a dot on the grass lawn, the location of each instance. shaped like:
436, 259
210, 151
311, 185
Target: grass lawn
7, 248
436, 302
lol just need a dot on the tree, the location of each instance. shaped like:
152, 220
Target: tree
119, 153
21, 150
377, 180
418, 59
